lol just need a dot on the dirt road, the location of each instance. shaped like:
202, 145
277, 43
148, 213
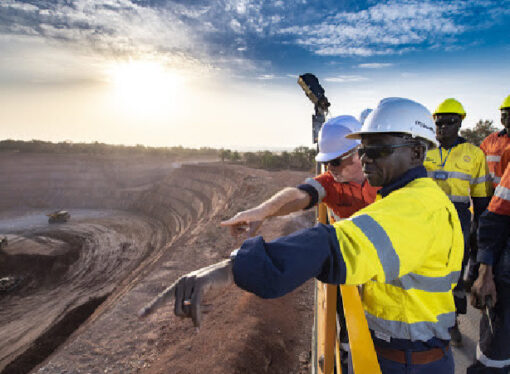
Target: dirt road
137, 224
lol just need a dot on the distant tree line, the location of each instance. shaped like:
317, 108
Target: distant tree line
96, 148
302, 158
482, 129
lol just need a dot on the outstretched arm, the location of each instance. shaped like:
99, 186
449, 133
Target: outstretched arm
266, 269
189, 290
286, 201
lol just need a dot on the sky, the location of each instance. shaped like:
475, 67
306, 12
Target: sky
222, 73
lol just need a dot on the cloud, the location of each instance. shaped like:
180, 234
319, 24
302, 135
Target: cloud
115, 26
214, 34
375, 65
218, 34
392, 27
345, 78
266, 77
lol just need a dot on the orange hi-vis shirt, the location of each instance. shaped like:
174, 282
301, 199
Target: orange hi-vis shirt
343, 199
493, 146
500, 202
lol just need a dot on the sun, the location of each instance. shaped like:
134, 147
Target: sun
144, 88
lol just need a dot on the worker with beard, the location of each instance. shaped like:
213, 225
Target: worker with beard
405, 249
460, 169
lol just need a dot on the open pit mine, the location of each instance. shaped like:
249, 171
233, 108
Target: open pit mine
71, 289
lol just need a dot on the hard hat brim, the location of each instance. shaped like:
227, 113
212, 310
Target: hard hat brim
357, 135
325, 157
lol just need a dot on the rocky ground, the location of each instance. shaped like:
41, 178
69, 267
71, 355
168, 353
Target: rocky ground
137, 224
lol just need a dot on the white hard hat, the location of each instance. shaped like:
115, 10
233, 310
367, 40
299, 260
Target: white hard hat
332, 140
396, 114
364, 114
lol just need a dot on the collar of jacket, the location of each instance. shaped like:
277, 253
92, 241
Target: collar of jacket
460, 140
408, 176
502, 133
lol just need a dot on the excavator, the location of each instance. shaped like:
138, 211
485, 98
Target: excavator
326, 355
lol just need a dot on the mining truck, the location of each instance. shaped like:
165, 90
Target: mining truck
59, 216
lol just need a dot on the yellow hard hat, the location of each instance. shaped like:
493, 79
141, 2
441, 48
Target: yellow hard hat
506, 103
450, 106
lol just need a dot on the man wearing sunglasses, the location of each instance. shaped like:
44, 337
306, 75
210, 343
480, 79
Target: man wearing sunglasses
343, 187
460, 169
405, 249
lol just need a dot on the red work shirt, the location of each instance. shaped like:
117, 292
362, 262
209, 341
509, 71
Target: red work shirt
493, 146
343, 199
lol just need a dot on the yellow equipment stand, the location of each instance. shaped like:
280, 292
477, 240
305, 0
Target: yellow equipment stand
325, 344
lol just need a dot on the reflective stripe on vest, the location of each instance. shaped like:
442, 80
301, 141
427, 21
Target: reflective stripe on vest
500, 202
495, 179
318, 187
382, 243
482, 179
414, 331
452, 174
462, 176
488, 362
459, 199
492, 158
502, 192
424, 283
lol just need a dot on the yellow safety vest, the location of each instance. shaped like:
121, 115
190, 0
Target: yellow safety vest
406, 249
460, 171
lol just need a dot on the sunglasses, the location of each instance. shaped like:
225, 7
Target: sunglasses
447, 122
338, 161
377, 151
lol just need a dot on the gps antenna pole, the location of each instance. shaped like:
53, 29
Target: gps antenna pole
324, 329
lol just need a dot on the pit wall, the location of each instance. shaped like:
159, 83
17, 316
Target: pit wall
176, 195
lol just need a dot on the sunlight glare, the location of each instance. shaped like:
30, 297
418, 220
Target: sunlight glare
145, 88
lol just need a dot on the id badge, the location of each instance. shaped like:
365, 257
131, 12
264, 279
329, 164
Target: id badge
441, 175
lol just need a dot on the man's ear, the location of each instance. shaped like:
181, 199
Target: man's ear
418, 154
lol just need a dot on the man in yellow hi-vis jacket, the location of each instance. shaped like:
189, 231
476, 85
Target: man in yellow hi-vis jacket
406, 249
461, 171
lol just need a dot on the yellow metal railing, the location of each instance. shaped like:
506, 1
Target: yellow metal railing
326, 344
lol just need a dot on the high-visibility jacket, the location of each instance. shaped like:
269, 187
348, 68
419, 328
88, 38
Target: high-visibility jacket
343, 199
460, 171
406, 249
493, 146
494, 227
500, 202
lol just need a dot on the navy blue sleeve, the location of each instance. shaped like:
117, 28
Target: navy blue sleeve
273, 269
492, 236
310, 190
479, 206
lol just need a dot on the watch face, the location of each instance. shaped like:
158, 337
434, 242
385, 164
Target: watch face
441, 175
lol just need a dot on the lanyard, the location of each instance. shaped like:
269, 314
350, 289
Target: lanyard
446, 157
